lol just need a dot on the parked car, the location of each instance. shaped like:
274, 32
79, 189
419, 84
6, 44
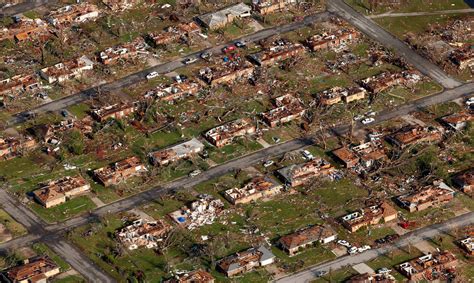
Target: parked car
364, 248
228, 49
307, 155
370, 113
64, 113
358, 117
470, 101
152, 75
352, 250
344, 243
180, 78
188, 61
321, 273
240, 44
206, 55
368, 121
268, 163
195, 173
205, 154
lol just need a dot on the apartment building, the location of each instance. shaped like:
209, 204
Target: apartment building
19, 84
302, 238
365, 154
115, 111
233, 69
332, 40
367, 216
59, 191
429, 267
386, 80
256, 188
221, 18
119, 171
174, 91
280, 50
337, 94
226, 133
411, 135
35, 269
299, 174
73, 14
288, 108
243, 262
176, 152
429, 196
264, 7
67, 70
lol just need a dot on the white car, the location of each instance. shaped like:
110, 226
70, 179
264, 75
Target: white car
358, 117
195, 173
344, 243
470, 101
307, 155
152, 75
364, 248
367, 121
353, 250
188, 61
370, 113
268, 163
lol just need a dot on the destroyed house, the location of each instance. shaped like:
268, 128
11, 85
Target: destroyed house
300, 239
67, 70
119, 171
365, 154
11, 147
385, 80
18, 84
197, 276
465, 180
428, 267
231, 69
24, 29
426, 197
120, 5
468, 245
176, 152
337, 94
114, 111
142, 233
174, 91
332, 40
279, 51
463, 58
73, 14
174, 33
299, 174
288, 109
411, 135
457, 121
245, 261
219, 19
56, 192
372, 278
122, 52
264, 7
45, 132
36, 269
258, 187
201, 212
224, 134
367, 216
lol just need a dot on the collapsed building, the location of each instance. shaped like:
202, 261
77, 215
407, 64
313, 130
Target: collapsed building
219, 19
463, 58
429, 267
175, 91
46, 132
299, 174
73, 14
457, 121
67, 70
19, 84
226, 133
465, 180
196, 276
365, 154
429, 196
125, 51
114, 111
256, 188
264, 7
174, 33
11, 147
201, 212
468, 245
372, 278
59, 191
302, 238
337, 94
232, 68
280, 50
120, 5
333, 40
386, 80
288, 108
119, 171
142, 233
176, 152
24, 29
367, 216
243, 262
411, 135
35, 269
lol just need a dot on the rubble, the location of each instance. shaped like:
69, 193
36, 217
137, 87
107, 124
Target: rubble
224, 134
333, 40
337, 94
372, 278
264, 7
298, 240
245, 261
11, 147
59, 191
411, 135
280, 50
121, 52
19, 84
32, 270
258, 187
288, 109
367, 216
295, 175
468, 245
385, 80
142, 233
457, 121
429, 196
119, 171
174, 91
120, 5
429, 267
465, 180
197, 276
199, 213
221, 18
463, 57
67, 70
73, 14
25, 29
365, 154
176, 152
231, 69
114, 111
173, 33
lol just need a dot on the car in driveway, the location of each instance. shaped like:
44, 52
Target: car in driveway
344, 243
367, 121
307, 155
152, 75
352, 250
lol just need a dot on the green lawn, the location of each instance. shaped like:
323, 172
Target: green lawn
66, 210
15, 228
42, 249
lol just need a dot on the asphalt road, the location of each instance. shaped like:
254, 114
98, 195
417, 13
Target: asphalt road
23, 7
412, 237
374, 31
164, 68
415, 14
